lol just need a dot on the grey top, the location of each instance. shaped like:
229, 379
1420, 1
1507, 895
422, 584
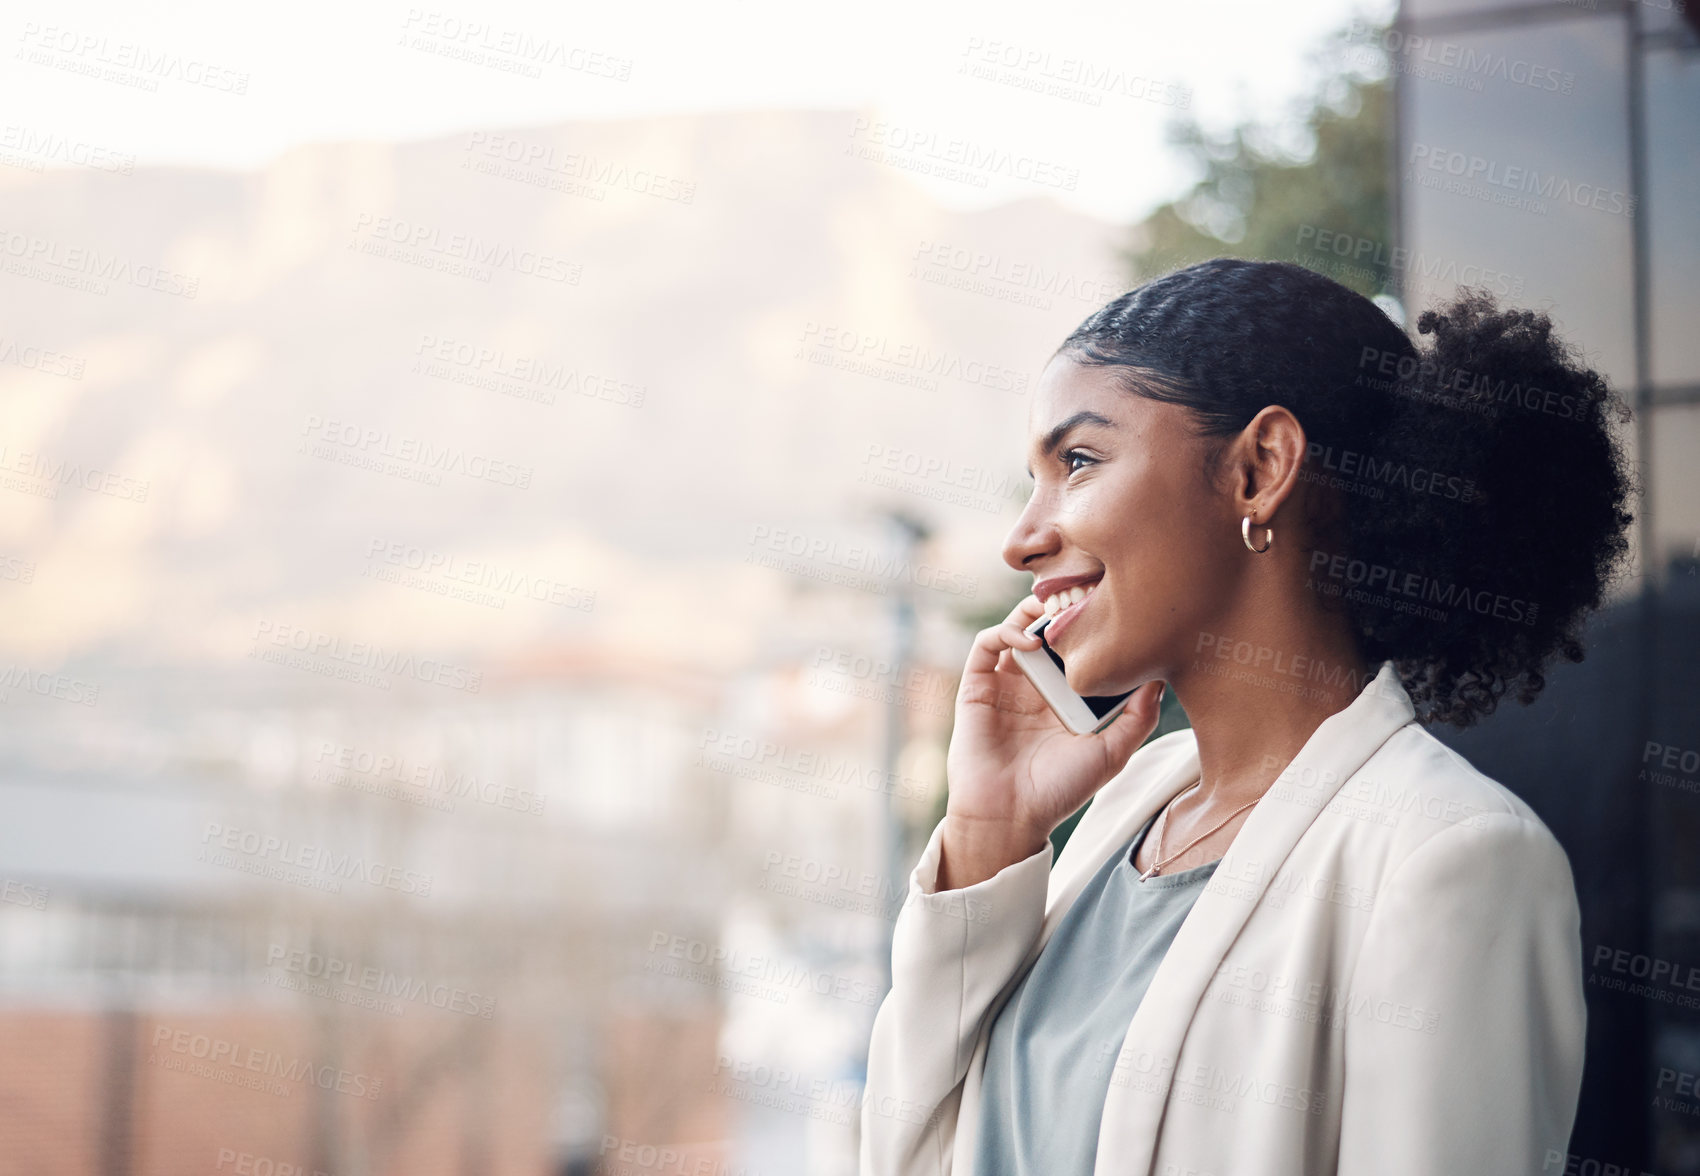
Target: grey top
1054, 1043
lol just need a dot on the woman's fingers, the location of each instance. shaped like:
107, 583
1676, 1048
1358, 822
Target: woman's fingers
986, 654
1017, 635
990, 645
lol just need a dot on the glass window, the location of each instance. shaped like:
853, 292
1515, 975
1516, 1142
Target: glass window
1675, 488
1663, 16
1514, 176
1424, 9
1673, 215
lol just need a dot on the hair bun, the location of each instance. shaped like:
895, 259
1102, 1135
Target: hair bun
1530, 513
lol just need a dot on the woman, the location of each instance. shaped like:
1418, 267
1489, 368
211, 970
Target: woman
1302, 936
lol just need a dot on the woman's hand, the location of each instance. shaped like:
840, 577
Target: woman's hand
1014, 771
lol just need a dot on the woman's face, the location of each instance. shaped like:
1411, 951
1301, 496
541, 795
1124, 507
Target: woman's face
1121, 506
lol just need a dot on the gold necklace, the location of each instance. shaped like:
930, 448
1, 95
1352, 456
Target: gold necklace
1164, 820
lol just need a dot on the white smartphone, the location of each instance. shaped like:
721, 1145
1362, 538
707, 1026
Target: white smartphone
1082, 715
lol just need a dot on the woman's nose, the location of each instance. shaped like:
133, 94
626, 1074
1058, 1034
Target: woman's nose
1033, 536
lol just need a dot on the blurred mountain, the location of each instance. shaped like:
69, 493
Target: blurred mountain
632, 356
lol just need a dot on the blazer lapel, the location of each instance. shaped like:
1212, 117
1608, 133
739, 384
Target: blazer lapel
1133, 1112
1087, 848
1099, 841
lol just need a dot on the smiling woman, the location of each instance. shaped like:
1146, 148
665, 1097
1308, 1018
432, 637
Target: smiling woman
1302, 936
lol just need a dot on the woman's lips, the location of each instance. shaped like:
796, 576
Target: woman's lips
1066, 617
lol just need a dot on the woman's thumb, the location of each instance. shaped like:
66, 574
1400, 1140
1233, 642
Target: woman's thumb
1136, 721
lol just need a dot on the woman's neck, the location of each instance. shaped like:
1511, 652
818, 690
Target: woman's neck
1254, 704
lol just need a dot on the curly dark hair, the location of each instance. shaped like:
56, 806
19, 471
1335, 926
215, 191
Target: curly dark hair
1473, 494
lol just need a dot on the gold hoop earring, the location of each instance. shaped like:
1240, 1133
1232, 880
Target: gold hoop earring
1245, 534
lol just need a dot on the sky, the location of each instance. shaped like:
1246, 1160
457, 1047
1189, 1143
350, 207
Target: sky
1074, 95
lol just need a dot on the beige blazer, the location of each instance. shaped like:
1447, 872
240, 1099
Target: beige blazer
1383, 977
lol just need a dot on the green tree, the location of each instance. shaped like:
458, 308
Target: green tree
1273, 192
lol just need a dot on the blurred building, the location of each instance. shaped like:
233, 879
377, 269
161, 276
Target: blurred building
1551, 153
259, 923
602, 915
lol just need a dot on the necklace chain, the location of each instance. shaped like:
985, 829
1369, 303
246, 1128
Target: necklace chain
1164, 822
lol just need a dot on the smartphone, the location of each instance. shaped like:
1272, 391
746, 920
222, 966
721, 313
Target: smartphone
1082, 715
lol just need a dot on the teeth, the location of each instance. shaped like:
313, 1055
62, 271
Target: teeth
1055, 604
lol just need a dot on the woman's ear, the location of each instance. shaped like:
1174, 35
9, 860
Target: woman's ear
1270, 455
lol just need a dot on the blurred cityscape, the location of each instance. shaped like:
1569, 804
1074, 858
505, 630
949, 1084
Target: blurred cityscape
454, 717
484, 612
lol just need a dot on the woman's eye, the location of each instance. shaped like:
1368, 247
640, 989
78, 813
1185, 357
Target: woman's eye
1073, 455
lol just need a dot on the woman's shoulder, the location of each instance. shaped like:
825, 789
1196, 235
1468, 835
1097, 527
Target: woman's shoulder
1415, 771
1418, 790
1411, 771
1411, 790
